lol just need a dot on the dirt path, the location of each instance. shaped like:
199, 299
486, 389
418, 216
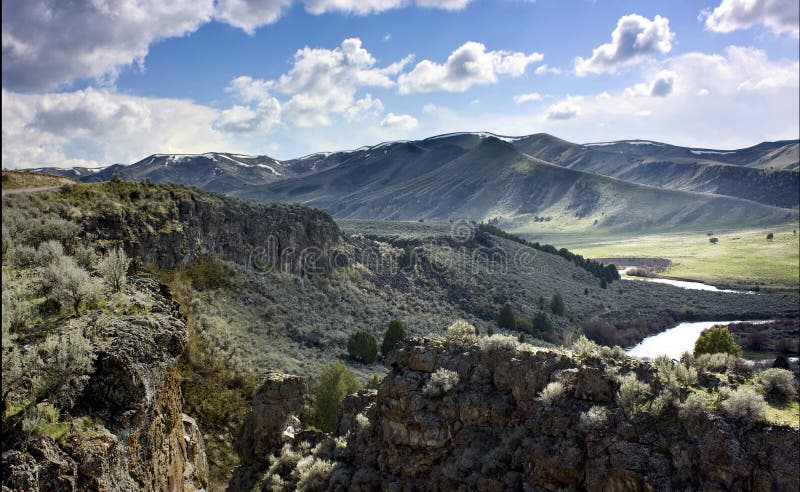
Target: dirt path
29, 190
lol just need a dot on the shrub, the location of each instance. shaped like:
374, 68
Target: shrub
541, 323
208, 273
770, 236
551, 393
717, 339
506, 318
22, 256
85, 256
67, 363
719, 362
334, 383
745, 404
374, 382
114, 268
594, 418
48, 252
632, 394
778, 384
363, 346
312, 473
557, 304
696, 405
461, 331
713, 240
499, 343
70, 283
36, 231
441, 381
394, 334
781, 362
583, 347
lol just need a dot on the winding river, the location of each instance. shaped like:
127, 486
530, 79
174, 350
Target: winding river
684, 284
674, 341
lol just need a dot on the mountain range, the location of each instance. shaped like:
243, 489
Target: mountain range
622, 185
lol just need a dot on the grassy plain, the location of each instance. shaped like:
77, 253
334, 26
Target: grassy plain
741, 258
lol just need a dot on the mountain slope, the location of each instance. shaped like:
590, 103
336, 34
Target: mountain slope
442, 180
766, 173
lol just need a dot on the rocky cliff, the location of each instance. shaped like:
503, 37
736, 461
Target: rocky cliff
496, 416
133, 434
172, 225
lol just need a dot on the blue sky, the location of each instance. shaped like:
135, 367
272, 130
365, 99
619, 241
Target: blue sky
83, 86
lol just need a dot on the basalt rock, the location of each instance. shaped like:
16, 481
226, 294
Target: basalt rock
141, 439
494, 431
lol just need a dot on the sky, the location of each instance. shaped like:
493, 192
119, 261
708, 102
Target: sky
97, 82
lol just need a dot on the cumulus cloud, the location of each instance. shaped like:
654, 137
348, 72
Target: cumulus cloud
468, 65
96, 127
779, 16
634, 39
363, 7
544, 69
321, 83
49, 43
661, 86
248, 15
567, 109
531, 96
402, 122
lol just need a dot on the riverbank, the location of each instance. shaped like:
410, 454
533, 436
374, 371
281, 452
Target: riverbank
740, 259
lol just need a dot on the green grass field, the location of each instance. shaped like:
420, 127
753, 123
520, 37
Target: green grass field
742, 259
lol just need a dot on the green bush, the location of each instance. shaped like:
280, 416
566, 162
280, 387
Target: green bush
334, 383
48, 252
441, 381
506, 318
557, 305
208, 273
394, 334
632, 394
745, 404
461, 331
114, 268
541, 323
715, 340
70, 283
778, 384
362, 346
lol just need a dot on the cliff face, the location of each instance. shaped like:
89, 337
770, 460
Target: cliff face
140, 439
180, 224
487, 425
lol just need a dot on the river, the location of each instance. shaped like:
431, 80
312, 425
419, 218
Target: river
684, 284
674, 341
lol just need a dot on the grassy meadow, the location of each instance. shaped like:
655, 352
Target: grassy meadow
741, 258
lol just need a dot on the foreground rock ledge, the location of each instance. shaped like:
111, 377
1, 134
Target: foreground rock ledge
492, 431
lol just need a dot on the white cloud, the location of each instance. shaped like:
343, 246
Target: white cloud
634, 39
703, 92
247, 119
249, 89
364, 7
248, 15
320, 84
48, 43
779, 16
662, 85
545, 69
94, 127
523, 98
468, 65
363, 108
403, 122
567, 109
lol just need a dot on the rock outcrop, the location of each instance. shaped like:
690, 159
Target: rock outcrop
140, 439
187, 224
488, 425
276, 404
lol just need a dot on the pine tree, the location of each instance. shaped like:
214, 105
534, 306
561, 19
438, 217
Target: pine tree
394, 334
506, 318
557, 304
